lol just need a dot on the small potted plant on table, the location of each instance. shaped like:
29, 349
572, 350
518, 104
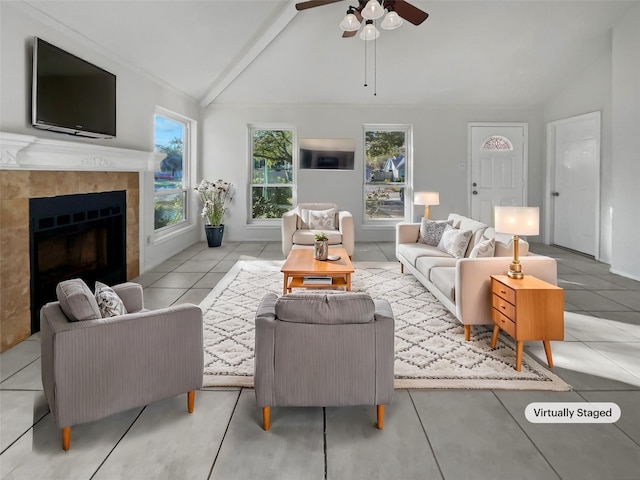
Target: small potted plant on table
321, 246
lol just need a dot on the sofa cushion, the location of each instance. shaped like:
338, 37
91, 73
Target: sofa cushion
77, 300
444, 279
483, 249
455, 219
478, 228
322, 308
308, 237
455, 241
413, 251
431, 231
322, 219
425, 264
109, 303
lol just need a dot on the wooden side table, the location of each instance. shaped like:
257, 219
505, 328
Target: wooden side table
527, 309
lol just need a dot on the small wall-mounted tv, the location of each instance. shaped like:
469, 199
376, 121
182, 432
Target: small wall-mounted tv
71, 95
327, 153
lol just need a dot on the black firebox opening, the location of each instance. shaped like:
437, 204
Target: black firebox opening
75, 236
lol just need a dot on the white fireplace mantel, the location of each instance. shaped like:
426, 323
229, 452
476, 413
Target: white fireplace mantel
26, 152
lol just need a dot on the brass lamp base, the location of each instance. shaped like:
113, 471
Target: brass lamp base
515, 270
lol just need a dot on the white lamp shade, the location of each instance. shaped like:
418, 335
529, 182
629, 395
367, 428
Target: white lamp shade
391, 21
369, 32
372, 10
426, 198
350, 23
517, 220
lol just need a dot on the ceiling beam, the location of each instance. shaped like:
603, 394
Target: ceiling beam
251, 51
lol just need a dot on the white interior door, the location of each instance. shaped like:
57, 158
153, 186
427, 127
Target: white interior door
498, 168
575, 193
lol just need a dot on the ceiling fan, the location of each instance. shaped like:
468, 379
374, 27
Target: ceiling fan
369, 11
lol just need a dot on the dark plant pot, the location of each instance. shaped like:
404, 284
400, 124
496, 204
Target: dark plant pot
214, 234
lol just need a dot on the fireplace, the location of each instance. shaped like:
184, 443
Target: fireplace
75, 236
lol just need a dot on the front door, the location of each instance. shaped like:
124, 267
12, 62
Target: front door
576, 183
498, 168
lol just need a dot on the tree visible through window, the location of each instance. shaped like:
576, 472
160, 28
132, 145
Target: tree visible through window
386, 171
272, 172
169, 183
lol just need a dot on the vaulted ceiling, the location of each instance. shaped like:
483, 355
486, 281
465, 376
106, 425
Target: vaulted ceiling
472, 52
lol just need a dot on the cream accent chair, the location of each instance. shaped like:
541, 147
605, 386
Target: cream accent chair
296, 228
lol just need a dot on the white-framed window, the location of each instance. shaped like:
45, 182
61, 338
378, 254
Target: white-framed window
387, 173
173, 135
272, 156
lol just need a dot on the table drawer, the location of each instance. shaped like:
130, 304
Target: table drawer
504, 322
503, 291
504, 307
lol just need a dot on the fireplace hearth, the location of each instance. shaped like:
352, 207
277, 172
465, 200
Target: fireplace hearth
75, 236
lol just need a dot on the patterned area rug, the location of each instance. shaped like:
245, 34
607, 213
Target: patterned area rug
430, 348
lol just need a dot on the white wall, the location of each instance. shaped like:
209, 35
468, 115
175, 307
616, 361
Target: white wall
625, 258
591, 92
439, 141
137, 96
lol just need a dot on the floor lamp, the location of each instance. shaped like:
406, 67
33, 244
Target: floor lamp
427, 199
516, 221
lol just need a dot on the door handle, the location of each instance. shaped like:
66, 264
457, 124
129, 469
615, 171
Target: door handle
474, 184
556, 194
474, 192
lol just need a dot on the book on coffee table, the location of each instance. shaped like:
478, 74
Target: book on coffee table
316, 280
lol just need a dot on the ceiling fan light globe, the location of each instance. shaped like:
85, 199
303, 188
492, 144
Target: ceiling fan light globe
391, 21
372, 10
350, 23
369, 32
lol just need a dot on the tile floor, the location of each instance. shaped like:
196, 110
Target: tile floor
429, 434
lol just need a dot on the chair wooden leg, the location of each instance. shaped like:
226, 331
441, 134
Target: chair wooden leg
266, 418
191, 400
66, 438
401, 267
380, 412
467, 332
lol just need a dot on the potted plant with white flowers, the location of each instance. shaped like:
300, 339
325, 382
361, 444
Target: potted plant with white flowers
216, 198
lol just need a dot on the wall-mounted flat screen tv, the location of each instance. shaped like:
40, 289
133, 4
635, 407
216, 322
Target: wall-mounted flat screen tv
71, 95
327, 153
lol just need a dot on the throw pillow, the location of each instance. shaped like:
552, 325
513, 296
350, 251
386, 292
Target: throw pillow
322, 219
455, 241
431, 231
77, 301
485, 248
109, 303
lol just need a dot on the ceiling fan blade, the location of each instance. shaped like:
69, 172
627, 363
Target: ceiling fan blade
407, 11
314, 3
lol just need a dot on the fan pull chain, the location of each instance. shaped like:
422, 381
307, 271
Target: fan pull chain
365, 63
375, 66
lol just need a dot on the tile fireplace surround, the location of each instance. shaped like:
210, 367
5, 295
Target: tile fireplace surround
31, 167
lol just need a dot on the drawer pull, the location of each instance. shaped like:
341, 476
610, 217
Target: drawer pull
503, 307
503, 291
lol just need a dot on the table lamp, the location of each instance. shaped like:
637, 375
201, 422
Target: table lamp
427, 199
516, 221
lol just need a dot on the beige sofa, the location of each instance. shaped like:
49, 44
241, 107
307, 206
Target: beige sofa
463, 285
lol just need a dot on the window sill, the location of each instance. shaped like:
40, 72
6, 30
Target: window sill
159, 239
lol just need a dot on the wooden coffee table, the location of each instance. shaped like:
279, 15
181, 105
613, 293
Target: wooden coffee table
300, 263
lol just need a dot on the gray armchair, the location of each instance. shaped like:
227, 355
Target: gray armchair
299, 229
94, 367
323, 349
